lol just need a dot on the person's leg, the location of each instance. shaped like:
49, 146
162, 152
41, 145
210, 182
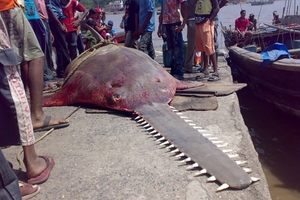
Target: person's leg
146, 43
62, 53
178, 53
48, 73
151, 51
72, 44
170, 44
129, 40
236, 36
190, 53
80, 45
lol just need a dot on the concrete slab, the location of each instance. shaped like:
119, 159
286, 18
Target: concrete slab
110, 156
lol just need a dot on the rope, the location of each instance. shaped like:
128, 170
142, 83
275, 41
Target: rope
86, 54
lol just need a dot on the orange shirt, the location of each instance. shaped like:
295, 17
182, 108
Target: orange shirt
7, 4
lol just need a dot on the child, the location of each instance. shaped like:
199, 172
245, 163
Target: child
112, 31
88, 37
69, 8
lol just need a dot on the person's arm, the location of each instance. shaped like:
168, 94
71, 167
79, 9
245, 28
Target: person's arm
184, 14
159, 31
150, 9
255, 25
216, 8
223, 3
53, 17
80, 8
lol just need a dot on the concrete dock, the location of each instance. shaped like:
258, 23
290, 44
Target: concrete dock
108, 156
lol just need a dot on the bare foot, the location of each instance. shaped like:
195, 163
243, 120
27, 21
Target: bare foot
35, 167
39, 122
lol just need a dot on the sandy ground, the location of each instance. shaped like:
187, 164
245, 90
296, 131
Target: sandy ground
110, 156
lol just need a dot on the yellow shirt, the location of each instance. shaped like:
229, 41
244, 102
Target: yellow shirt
203, 7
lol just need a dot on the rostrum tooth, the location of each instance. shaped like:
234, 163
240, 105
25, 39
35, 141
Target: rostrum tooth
140, 120
254, 179
138, 117
223, 187
175, 151
183, 117
152, 132
186, 160
160, 139
164, 143
146, 126
156, 135
212, 178
222, 145
217, 142
188, 120
150, 129
227, 150
239, 162
171, 146
192, 166
233, 155
144, 123
179, 155
201, 172
248, 170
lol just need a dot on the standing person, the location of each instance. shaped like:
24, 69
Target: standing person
59, 31
25, 44
47, 48
69, 8
131, 23
170, 18
205, 12
15, 120
146, 26
241, 29
191, 37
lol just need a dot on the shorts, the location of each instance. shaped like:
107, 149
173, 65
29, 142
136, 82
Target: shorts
205, 38
15, 119
22, 37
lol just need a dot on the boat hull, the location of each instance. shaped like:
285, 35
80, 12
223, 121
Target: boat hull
277, 83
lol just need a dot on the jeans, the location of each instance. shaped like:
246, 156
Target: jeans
146, 44
9, 186
62, 54
175, 48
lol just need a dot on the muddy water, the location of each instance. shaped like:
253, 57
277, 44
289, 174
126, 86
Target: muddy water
276, 136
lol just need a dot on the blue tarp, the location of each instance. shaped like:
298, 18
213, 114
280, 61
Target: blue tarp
274, 52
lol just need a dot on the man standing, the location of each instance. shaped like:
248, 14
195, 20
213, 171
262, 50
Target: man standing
205, 12
241, 29
146, 26
170, 18
191, 37
69, 8
131, 24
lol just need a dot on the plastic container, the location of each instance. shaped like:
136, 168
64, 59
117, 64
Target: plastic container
166, 55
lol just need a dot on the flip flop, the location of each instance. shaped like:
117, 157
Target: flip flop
47, 127
44, 175
28, 191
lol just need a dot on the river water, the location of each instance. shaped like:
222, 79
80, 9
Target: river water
275, 135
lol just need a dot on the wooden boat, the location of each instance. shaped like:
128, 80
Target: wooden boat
264, 37
261, 2
277, 83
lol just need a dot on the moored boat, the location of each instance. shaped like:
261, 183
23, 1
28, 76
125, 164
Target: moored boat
277, 83
261, 2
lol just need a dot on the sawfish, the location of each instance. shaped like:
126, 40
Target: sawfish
125, 79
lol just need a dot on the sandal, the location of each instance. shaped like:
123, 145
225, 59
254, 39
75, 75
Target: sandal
28, 191
214, 77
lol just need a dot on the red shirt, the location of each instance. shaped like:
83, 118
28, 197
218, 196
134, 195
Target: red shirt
69, 12
242, 24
